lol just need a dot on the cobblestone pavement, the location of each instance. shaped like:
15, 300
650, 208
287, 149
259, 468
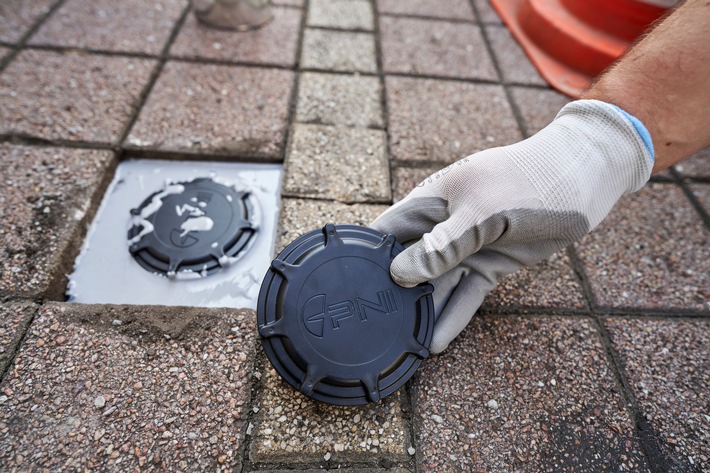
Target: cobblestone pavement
596, 360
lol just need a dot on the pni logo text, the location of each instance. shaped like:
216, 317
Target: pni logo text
316, 314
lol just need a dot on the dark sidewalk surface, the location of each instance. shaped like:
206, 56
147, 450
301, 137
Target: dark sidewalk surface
596, 360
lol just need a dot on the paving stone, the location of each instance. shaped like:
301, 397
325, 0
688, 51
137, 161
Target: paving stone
46, 196
4, 52
697, 165
406, 179
434, 48
291, 427
337, 99
15, 317
452, 9
72, 96
338, 51
444, 121
550, 283
127, 388
486, 13
346, 164
132, 26
514, 64
200, 108
652, 251
292, 3
538, 107
702, 192
273, 44
667, 364
300, 216
346, 470
18, 16
344, 14
523, 394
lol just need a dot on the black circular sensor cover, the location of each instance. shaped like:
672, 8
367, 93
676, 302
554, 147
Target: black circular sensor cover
335, 325
190, 226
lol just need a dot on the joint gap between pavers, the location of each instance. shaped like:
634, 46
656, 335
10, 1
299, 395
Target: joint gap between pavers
581, 275
671, 312
256, 386
130, 152
30, 140
333, 125
225, 62
643, 432
413, 16
342, 73
339, 30
18, 340
445, 78
519, 310
291, 195
696, 179
96, 52
692, 198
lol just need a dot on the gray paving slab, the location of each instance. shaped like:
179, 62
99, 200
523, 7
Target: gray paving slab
128, 388
338, 51
342, 14
4, 52
514, 64
72, 96
702, 193
291, 427
345, 164
291, 3
46, 197
17, 17
652, 251
434, 48
215, 109
523, 394
273, 44
453, 9
538, 107
405, 179
667, 365
486, 13
444, 121
549, 284
697, 165
131, 26
338, 99
15, 317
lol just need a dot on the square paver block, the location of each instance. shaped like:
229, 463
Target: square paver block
45, 202
538, 107
290, 3
434, 48
514, 64
129, 25
18, 16
214, 109
71, 96
343, 14
405, 179
291, 427
667, 365
452, 9
15, 317
4, 52
697, 165
523, 394
345, 164
129, 388
444, 121
338, 99
551, 283
486, 13
702, 193
272, 44
652, 251
338, 51
300, 216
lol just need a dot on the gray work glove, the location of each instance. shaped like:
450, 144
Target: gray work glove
488, 214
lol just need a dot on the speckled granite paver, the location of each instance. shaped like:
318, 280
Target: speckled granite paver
291, 426
434, 48
71, 96
44, 201
550, 283
273, 44
345, 164
538, 107
129, 25
702, 193
200, 108
486, 13
291, 3
514, 64
452, 9
444, 121
18, 16
633, 260
342, 14
697, 165
14, 319
124, 388
338, 99
338, 51
523, 394
406, 179
667, 364
4, 52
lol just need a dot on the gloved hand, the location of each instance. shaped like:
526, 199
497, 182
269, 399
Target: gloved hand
490, 213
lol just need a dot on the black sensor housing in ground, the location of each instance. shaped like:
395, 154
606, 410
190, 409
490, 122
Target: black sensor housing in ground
335, 325
190, 226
